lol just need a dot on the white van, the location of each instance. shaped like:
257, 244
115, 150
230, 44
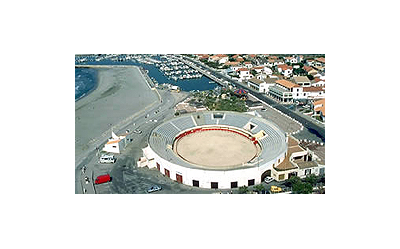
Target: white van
107, 159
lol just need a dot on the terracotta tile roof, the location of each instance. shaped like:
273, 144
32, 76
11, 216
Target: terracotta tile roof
286, 83
259, 67
239, 59
247, 62
307, 68
114, 141
322, 59
313, 89
316, 79
285, 67
243, 69
231, 63
319, 102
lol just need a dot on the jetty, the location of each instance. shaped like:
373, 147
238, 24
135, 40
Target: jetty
205, 72
103, 66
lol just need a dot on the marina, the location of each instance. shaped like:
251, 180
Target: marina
161, 69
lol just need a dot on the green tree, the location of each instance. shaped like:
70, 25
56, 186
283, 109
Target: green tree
292, 181
302, 188
243, 190
259, 188
312, 179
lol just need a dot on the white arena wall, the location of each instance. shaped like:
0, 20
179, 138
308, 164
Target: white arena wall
205, 177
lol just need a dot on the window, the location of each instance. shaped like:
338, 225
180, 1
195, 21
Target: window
234, 184
307, 172
196, 183
214, 185
281, 176
114, 146
251, 182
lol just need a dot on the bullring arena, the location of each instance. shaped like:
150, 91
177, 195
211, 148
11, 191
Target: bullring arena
215, 149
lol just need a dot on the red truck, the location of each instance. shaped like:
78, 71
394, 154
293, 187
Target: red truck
102, 179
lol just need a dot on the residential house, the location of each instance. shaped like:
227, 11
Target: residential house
319, 62
318, 82
248, 64
267, 70
222, 59
261, 76
244, 74
279, 62
270, 62
285, 70
310, 62
258, 69
314, 92
239, 59
290, 59
319, 108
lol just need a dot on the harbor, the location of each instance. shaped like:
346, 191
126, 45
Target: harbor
161, 69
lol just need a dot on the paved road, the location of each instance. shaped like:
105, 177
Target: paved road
313, 130
163, 110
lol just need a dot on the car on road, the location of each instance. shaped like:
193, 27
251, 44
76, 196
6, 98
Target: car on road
153, 188
137, 131
268, 179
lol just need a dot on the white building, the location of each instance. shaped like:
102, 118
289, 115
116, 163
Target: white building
285, 70
244, 74
115, 144
248, 64
314, 92
302, 81
258, 85
270, 82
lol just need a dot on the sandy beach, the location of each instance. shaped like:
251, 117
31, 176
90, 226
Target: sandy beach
121, 92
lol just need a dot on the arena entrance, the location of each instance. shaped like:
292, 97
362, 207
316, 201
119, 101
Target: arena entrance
265, 174
166, 172
179, 178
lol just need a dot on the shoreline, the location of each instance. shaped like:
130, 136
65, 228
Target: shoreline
120, 93
96, 84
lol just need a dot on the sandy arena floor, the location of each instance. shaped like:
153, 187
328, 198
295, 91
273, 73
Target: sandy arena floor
216, 148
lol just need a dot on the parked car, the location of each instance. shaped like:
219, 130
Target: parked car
137, 131
153, 189
107, 159
268, 179
102, 179
275, 189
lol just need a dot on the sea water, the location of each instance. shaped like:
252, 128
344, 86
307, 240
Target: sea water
86, 78
85, 81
